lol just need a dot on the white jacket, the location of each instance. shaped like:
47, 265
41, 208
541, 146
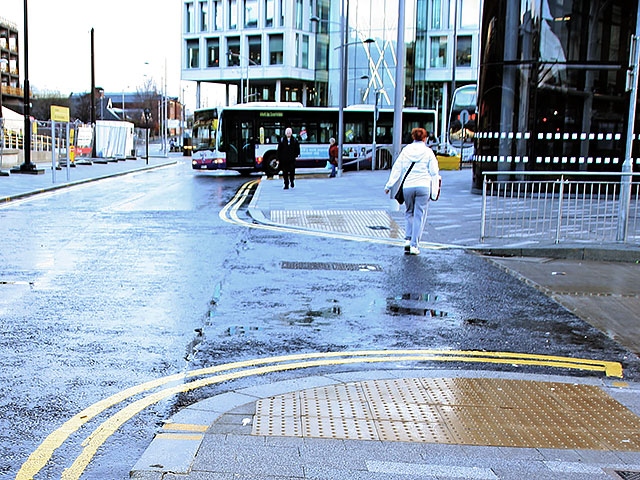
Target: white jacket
425, 168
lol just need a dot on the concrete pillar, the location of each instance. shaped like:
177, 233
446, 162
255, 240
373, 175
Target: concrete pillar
278, 91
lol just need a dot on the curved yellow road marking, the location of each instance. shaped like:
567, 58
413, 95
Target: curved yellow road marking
229, 214
110, 426
222, 373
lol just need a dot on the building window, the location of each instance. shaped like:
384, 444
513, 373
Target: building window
438, 52
299, 13
421, 54
233, 49
281, 11
436, 14
305, 51
189, 20
269, 12
323, 14
469, 13
250, 13
463, 51
255, 50
213, 52
217, 15
322, 53
193, 54
233, 14
276, 50
204, 16
421, 15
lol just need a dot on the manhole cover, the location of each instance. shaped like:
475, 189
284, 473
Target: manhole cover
355, 267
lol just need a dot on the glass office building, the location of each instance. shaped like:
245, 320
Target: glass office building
552, 85
289, 50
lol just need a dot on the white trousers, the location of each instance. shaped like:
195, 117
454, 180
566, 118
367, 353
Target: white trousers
416, 200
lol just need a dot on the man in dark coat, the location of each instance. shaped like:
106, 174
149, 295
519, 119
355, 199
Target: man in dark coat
288, 151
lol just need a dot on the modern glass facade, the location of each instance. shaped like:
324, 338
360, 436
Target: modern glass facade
290, 49
552, 85
430, 29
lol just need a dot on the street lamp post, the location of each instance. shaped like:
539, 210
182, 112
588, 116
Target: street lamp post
3, 62
163, 109
124, 117
343, 90
249, 61
374, 159
342, 99
344, 24
376, 114
398, 102
27, 166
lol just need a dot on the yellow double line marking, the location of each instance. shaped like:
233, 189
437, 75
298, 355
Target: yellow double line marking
229, 214
174, 384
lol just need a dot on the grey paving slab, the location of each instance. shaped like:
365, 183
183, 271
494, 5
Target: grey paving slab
243, 455
15, 186
174, 453
605, 294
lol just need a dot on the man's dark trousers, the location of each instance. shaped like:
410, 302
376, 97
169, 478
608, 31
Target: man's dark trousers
288, 174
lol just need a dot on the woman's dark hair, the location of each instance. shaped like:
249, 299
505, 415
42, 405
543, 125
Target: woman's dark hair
419, 134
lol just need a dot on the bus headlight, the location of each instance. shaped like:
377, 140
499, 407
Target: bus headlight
258, 161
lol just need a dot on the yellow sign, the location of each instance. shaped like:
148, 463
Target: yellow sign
59, 114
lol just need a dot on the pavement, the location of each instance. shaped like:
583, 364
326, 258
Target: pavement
15, 186
391, 422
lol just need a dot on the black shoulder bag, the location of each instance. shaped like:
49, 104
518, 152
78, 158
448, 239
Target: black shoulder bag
399, 196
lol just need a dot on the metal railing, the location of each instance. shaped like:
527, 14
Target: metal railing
564, 208
39, 143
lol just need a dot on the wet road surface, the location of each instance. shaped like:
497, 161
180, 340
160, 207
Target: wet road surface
127, 280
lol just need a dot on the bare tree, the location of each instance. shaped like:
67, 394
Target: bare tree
148, 100
81, 107
42, 101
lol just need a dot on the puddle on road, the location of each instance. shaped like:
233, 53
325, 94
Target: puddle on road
476, 322
413, 304
240, 330
312, 317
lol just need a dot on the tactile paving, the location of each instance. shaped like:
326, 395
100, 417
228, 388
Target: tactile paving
465, 411
367, 223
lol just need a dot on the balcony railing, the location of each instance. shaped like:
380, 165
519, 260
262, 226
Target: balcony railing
12, 91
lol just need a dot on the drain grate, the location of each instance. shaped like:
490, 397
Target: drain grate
354, 267
627, 475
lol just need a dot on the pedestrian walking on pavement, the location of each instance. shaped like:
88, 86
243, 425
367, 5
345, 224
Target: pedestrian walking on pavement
333, 156
416, 187
288, 151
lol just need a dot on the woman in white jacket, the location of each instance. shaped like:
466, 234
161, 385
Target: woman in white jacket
417, 185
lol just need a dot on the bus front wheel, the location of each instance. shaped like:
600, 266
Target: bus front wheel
271, 165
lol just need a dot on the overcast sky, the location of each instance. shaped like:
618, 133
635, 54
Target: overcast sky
132, 38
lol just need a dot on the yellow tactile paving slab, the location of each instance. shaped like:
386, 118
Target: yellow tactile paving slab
465, 411
366, 223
